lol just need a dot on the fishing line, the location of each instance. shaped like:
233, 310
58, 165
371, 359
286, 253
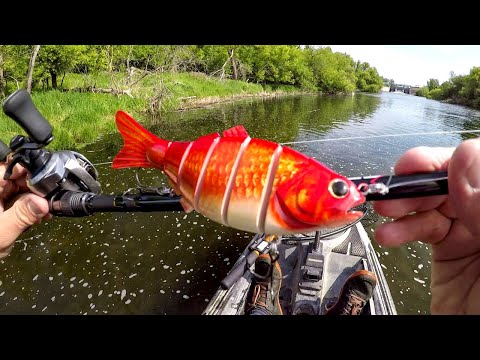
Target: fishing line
363, 137
382, 136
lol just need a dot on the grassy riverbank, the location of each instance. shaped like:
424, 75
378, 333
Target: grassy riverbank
79, 118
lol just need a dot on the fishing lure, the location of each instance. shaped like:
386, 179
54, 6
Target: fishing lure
245, 183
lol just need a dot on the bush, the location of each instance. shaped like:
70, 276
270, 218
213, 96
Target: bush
422, 92
436, 94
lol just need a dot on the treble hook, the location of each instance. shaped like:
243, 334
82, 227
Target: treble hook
145, 189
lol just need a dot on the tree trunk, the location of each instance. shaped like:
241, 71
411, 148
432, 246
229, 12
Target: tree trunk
101, 90
54, 80
110, 54
234, 63
63, 78
2, 88
128, 59
36, 48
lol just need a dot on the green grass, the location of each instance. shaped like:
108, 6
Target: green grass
81, 118
76, 118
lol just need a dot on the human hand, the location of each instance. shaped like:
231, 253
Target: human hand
449, 222
19, 208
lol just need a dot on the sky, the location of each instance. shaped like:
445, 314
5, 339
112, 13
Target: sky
415, 64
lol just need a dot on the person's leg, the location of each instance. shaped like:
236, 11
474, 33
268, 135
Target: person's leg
258, 310
263, 295
355, 294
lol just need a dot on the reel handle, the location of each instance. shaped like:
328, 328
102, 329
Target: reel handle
20, 107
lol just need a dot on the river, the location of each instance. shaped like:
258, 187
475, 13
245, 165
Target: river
172, 263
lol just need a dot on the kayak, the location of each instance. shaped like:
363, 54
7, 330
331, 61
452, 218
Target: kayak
314, 269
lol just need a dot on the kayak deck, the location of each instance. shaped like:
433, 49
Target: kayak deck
313, 274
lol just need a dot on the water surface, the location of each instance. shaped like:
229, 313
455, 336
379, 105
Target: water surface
172, 263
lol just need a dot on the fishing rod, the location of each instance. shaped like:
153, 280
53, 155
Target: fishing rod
70, 181
388, 187
79, 203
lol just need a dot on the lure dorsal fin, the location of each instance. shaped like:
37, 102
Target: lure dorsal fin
238, 131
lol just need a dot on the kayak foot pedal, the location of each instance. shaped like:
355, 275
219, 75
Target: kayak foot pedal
311, 282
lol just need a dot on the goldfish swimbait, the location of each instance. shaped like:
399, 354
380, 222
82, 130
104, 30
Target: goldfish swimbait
245, 183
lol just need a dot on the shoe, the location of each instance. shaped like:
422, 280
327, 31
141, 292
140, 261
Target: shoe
355, 294
263, 295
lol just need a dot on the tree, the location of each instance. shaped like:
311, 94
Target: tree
91, 60
432, 84
114, 55
471, 88
150, 57
13, 65
388, 82
367, 78
233, 61
332, 72
247, 57
182, 58
31, 65
58, 59
214, 60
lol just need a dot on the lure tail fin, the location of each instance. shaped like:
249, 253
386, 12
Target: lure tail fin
136, 143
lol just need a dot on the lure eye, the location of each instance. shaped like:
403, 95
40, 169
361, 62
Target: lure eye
338, 188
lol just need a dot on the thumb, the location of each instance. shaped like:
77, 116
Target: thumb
29, 209
464, 183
